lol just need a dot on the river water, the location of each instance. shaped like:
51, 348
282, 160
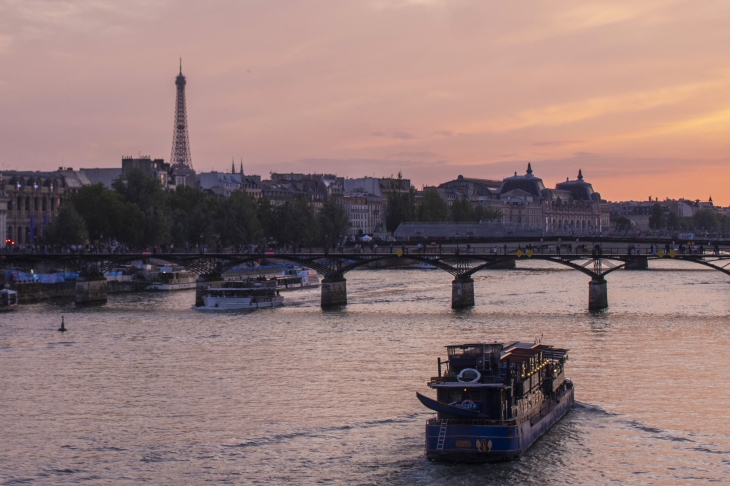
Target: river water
147, 389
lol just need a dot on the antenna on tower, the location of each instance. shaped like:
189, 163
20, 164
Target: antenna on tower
181, 66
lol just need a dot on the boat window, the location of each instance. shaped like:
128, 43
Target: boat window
455, 395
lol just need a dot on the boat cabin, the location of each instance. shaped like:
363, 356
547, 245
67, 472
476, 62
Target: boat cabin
496, 381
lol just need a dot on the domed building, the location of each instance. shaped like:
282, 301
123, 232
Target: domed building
573, 207
527, 184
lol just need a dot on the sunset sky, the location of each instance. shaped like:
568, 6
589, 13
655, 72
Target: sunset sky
636, 94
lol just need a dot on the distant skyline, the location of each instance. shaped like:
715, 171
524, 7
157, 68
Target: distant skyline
636, 94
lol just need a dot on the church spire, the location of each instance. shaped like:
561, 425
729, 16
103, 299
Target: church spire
233, 166
241, 166
529, 168
580, 175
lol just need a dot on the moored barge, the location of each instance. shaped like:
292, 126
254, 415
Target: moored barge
495, 400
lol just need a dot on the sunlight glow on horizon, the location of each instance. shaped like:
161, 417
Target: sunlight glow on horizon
634, 94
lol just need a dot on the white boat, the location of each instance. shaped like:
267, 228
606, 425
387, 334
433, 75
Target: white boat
426, 266
242, 295
166, 281
8, 300
297, 278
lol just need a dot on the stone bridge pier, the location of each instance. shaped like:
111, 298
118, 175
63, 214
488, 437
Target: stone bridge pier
462, 292
91, 290
597, 294
334, 291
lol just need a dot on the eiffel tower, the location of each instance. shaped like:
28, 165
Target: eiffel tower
180, 156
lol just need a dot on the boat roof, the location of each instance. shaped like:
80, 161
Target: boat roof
459, 384
517, 350
471, 345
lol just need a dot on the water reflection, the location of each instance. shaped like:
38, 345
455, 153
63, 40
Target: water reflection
147, 388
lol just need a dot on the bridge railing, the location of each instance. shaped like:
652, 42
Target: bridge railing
564, 249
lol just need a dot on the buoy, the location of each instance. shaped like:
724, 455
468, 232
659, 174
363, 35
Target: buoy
63, 326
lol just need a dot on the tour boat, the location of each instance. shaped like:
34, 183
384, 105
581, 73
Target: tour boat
301, 278
242, 295
8, 300
426, 266
165, 281
495, 400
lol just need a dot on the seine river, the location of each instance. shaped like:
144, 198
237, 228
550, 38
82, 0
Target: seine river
147, 389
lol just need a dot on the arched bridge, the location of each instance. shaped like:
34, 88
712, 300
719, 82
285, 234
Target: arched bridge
461, 264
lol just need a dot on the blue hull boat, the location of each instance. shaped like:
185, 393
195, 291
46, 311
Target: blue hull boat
495, 401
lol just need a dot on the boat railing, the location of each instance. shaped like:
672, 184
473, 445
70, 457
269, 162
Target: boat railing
437, 421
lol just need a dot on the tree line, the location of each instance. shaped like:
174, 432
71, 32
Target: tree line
138, 213
403, 207
702, 220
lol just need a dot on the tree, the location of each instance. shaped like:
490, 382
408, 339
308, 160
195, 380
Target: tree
333, 222
146, 192
724, 224
462, 211
487, 214
99, 207
235, 220
265, 215
624, 224
129, 227
400, 205
294, 222
672, 221
68, 228
706, 219
656, 220
108, 217
433, 209
190, 213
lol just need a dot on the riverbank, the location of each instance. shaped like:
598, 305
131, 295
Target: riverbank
32, 292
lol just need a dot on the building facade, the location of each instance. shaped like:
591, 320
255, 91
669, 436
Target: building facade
223, 184
364, 212
156, 168
572, 207
32, 200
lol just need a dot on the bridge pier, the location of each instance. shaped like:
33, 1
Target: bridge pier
597, 294
91, 290
202, 283
637, 263
462, 292
334, 291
